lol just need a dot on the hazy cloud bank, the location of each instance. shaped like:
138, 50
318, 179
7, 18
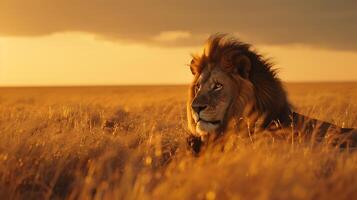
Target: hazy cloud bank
319, 23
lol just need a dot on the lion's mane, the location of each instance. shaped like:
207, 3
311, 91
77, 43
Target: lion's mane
264, 89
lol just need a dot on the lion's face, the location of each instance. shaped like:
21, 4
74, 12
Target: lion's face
212, 97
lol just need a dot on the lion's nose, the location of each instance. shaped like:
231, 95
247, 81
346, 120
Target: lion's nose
198, 107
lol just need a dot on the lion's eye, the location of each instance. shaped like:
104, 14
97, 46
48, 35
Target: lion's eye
217, 86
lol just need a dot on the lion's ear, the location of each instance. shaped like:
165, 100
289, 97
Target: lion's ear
193, 70
242, 66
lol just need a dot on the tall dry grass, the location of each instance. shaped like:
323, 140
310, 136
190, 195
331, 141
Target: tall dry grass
53, 146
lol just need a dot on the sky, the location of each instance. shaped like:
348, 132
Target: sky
110, 42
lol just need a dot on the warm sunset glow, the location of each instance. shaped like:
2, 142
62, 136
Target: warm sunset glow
188, 99
75, 59
83, 59
67, 42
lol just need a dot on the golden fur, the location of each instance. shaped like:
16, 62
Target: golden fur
254, 84
250, 90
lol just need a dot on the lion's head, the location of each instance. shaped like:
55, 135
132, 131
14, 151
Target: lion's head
231, 81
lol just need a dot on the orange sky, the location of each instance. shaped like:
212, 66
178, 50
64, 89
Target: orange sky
118, 42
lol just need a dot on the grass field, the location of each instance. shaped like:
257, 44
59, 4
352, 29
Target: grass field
53, 146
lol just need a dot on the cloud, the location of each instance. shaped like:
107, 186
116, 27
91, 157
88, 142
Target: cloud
318, 23
172, 36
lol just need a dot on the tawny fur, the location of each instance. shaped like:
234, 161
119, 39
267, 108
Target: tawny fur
262, 89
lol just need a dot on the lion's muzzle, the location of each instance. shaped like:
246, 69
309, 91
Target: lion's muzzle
204, 117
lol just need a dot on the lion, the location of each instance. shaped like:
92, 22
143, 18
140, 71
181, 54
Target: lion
234, 84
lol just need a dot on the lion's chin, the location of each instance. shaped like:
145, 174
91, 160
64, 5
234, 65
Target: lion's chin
203, 128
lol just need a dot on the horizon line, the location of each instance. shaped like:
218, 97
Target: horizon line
153, 84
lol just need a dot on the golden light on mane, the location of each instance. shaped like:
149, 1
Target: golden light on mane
258, 88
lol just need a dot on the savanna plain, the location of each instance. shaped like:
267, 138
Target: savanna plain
128, 142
